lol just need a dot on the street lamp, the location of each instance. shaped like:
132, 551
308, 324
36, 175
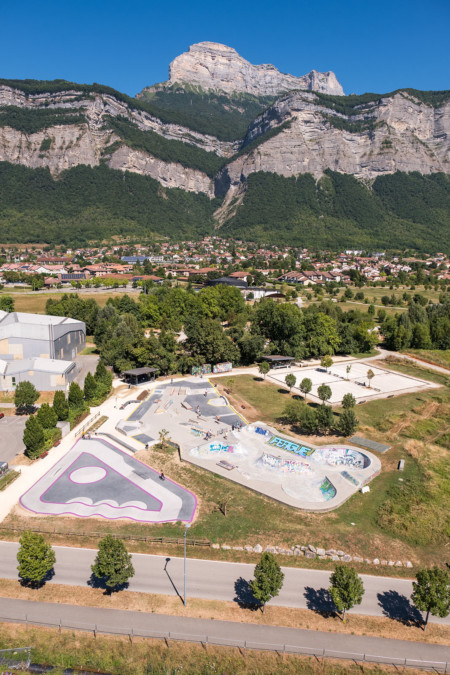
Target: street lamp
185, 533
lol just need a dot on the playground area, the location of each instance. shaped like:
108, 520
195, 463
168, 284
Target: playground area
97, 479
341, 381
304, 476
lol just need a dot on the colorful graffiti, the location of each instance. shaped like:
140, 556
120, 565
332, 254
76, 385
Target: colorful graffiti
296, 448
223, 367
284, 465
205, 369
327, 489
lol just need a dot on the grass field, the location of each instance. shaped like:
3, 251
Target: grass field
117, 656
199, 608
441, 357
35, 302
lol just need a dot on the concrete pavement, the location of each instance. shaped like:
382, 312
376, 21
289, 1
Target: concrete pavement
224, 632
217, 580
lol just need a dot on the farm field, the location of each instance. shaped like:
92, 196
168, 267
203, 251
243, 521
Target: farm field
35, 302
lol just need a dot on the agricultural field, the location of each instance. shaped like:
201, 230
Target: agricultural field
35, 302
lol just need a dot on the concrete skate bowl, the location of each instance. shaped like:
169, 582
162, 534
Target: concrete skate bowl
315, 491
341, 456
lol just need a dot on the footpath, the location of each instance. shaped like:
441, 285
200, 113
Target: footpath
227, 633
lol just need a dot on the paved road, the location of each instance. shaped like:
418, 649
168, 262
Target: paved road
11, 433
216, 580
122, 621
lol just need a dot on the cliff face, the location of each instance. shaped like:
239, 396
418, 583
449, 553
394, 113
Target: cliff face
392, 134
211, 65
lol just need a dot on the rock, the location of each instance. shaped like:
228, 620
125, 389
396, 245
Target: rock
340, 553
249, 549
225, 547
215, 545
357, 559
212, 65
289, 552
347, 558
331, 551
312, 548
258, 548
367, 561
298, 552
391, 563
408, 563
399, 563
320, 551
384, 563
323, 557
270, 549
310, 554
238, 548
304, 548
376, 561
335, 558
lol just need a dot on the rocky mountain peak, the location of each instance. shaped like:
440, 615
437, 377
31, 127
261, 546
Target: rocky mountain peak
211, 65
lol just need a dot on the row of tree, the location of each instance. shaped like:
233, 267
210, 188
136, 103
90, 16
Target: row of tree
113, 568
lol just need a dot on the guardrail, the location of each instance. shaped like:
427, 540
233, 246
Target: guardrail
95, 629
99, 535
87, 425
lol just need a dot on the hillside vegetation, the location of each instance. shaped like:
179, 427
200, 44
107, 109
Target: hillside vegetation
400, 210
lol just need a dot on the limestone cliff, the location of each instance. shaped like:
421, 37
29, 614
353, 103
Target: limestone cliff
211, 65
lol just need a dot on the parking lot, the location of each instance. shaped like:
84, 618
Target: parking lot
11, 433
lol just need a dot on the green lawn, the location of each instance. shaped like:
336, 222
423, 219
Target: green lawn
441, 357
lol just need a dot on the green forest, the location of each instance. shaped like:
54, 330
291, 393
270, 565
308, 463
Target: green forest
91, 204
30, 121
400, 210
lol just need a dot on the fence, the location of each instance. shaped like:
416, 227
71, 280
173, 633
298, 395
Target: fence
87, 425
95, 629
98, 535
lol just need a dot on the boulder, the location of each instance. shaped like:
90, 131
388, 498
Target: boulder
340, 553
357, 559
408, 563
238, 548
225, 547
270, 549
391, 563
309, 554
289, 552
335, 558
384, 563
258, 548
376, 561
298, 552
303, 548
320, 551
215, 545
331, 551
249, 549
312, 548
347, 558
367, 561
399, 563
323, 557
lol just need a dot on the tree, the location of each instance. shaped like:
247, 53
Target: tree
431, 592
348, 369
35, 557
7, 303
347, 422
326, 362
346, 588
290, 380
348, 401
305, 386
264, 368
33, 437
60, 405
46, 416
268, 579
292, 411
90, 387
324, 392
25, 395
75, 397
370, 375
308, 420
112, 563
163, 438
325, 419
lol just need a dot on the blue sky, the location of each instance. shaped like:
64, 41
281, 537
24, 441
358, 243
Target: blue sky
371, 46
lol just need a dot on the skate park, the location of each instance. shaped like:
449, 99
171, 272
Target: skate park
95, 478
354, 381
307, 477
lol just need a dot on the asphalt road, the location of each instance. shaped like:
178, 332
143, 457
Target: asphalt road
11, 433
227, 632
303, 588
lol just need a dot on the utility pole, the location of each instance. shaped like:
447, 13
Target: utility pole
185, 533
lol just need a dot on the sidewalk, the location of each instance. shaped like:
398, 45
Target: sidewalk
243, 635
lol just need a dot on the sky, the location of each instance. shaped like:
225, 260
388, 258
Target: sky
371, 46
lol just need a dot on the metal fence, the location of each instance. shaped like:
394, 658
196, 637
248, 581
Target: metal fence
97, 629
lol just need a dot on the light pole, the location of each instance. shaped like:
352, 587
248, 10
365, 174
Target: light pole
185, 533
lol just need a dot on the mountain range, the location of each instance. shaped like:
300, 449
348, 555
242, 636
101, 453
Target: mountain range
225, 146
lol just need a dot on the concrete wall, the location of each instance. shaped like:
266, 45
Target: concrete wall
63, 347
43, 381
